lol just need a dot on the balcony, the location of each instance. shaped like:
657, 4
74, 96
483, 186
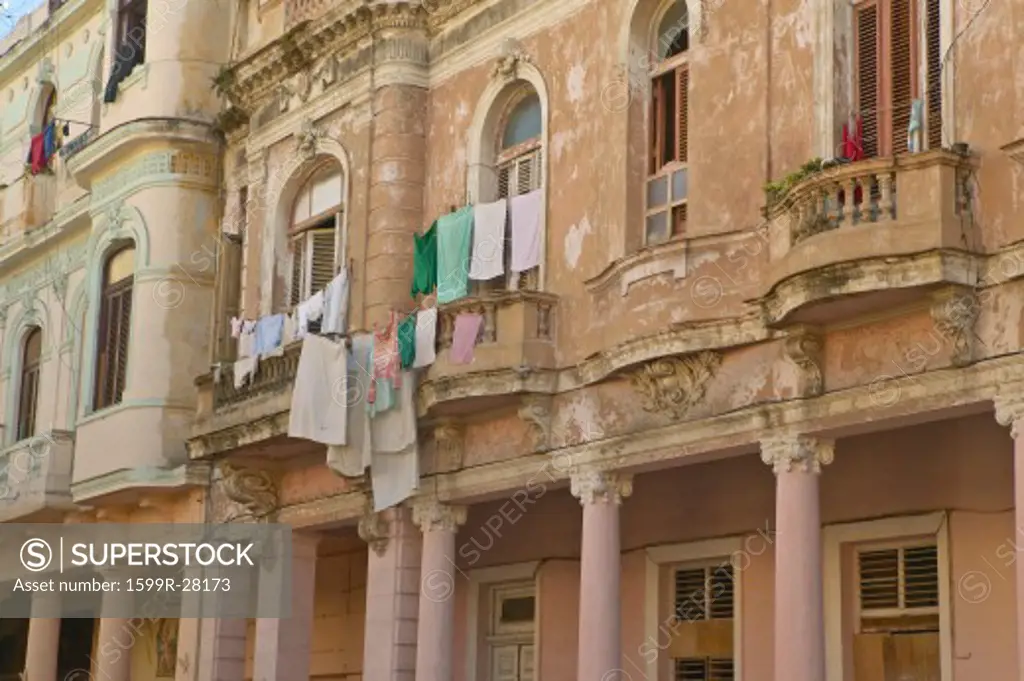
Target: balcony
865, 237
515, 353
35, 478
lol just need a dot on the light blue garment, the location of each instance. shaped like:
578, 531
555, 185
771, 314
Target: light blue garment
269, 331
915, 127
453, 238
385, 390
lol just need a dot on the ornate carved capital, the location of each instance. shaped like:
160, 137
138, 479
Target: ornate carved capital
954, 312
252, 489
308, 138
375, 531
803, 348
1010, 412
673, 385
449, 439
806, 454
506, 67
535, 411
430, 515
593, 486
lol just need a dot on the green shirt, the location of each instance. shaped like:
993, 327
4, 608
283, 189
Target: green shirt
407, 340
424, 261
453, 236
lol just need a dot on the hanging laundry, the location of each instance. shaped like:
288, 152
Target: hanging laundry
245, 369
49, 141
525, 210
424, 261
37, 154
488, 258
336, 305
386, 362
467, 329
290, 329
236, 327
380, 395
394, 463
309, 310
426, 337
407, 341
319, 409
353, 458
858, 139
453, 238
247, 339
916, 126
269, 331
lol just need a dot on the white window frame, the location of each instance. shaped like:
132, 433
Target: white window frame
904, 529
483, 579
697, 554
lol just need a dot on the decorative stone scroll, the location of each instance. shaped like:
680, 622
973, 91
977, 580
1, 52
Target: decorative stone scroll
430, 515
252, 489
374, 530
803, 348
797, 453
954, 312
673, 385
535, 411
506, 67
594, 486
1010, 411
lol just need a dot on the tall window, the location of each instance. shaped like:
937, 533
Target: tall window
519, 170
114, 328
28, 387
703, 603
510, 634
667, 183
131, 32
890, 50
313, 233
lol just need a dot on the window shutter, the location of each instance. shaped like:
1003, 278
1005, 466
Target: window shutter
704, 669
721, 594
322, 258
921, 577
298, 265
690, 595
902, 74
228, 294
123, 336
899, 578
682, 112
654, 142
867, 77
504, 180
524, 175
934, 97
879, 579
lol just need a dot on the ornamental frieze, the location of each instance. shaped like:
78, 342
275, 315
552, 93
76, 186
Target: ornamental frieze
671, 386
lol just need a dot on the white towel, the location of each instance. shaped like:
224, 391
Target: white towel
246, 341
336, 304
394, 465
245, 368
487, 259
525, 212
353, 458
318, 410
426, 335
309, 311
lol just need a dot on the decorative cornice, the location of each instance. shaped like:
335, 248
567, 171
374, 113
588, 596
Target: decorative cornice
253, 489
535, 412
803, 347
954, 311
594, 486
432, 516
805, 454
673, 385
374, 529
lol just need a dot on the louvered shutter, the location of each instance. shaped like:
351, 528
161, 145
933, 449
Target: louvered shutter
228, 295
123, 338
901, 72
657, 97
504, 181
899, 578
322, 259
867, 77
682, 112
933, 40
298, 267
524, 175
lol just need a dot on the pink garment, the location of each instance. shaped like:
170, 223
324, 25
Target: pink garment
467, 328
526, 230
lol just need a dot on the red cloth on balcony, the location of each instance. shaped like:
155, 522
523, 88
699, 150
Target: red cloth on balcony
37, 153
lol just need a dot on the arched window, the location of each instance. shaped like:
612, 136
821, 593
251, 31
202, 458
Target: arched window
114, 327
28, 386
313, 232
667, 182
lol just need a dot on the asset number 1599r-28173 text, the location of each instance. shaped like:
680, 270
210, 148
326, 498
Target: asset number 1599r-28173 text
183, 584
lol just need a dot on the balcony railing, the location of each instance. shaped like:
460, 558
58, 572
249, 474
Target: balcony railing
273, 375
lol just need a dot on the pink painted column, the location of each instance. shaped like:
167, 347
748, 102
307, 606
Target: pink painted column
799, 613
283, 646
117, 635
434, 640
43, 638
601, 493
1010, 412
392, 595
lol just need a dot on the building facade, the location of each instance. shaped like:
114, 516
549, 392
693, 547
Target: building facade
812, 367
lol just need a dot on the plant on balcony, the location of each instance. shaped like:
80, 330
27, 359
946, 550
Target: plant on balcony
777, 190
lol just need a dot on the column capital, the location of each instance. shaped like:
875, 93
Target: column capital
801, 453
375, 530
592, 486
1010, 412
430, 515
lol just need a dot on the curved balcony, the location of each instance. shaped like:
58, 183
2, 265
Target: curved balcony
870, 235
514, 354
35, 478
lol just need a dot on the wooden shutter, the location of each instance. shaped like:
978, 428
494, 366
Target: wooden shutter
504, 181
899, 578
295, 295
867, 77
123, 336
933, 42
322, 259
656, 123
704, 669
682, 112
28, 396
115, 333
901, 73
228, 295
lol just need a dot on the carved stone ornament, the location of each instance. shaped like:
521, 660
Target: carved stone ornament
1010, 411
594, 486
256, 166
535, 411
506, 67
373, 529
799, 453
803, 348
449, 439
430, 515
114, 215
308, 138
954, 312
673, 385
253, 489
